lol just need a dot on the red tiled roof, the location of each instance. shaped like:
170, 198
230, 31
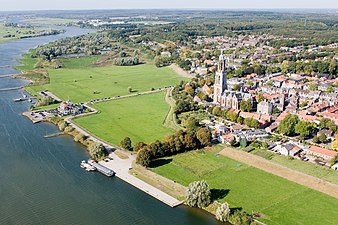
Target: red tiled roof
323, 151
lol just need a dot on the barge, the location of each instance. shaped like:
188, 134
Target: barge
102, 169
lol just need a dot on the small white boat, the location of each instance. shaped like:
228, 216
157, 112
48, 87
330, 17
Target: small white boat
86, 166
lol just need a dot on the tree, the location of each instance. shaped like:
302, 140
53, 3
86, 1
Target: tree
246, 105
217, 111
223, 212
260, 97
243, 142
98, 151
333, 67
284, 67
269, 83
313, 87
322, 138
198, 194
304, 128
236, 87
203, 135
62, 125
143, 157
126, 143
139, 145
334, 144
240, 218
328, 124
240, 120
232, 116
316, 139
288, 124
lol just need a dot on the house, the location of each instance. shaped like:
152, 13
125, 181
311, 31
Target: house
251, 135
288, 149
322, 152
226, 138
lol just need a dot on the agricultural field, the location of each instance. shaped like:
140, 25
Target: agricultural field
141, 118
81, 81
279, 200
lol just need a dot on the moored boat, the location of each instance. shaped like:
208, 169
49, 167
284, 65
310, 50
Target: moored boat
86, 166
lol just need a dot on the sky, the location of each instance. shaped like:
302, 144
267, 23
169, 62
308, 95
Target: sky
13, 5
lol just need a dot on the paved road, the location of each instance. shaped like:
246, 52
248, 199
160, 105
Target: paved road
282, 171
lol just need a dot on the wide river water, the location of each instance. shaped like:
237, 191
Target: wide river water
41, 181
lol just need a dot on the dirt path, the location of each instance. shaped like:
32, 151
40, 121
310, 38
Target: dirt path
180, 71
281, 171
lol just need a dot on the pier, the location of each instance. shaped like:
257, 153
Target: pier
11, 89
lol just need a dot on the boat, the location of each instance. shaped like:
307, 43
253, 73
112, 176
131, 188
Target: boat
102, 169
86, 166
18, 99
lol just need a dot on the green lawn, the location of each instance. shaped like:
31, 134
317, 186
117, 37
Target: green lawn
80, 81
281, 201
141, 118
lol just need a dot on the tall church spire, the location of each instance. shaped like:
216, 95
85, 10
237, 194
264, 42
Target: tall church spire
221, 77
222, 62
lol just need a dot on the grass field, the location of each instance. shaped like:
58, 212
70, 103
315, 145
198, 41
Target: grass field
80, 81
281, 201
140, 118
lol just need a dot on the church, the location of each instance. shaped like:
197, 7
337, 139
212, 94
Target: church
222, 95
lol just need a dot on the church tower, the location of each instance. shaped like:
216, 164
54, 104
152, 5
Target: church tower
220, 78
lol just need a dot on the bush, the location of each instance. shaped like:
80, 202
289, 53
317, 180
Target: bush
69, 129
62, 125
240, 218
79, 137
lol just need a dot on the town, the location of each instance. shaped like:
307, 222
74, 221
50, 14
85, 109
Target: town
231, 112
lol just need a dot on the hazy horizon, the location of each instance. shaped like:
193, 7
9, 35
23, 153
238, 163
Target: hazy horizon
33, 5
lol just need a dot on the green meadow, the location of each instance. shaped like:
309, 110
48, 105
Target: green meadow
141, 118
279, 200
80, 81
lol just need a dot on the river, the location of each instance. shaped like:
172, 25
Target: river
41, 181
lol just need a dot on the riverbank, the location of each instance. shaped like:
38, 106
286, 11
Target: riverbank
120, 165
